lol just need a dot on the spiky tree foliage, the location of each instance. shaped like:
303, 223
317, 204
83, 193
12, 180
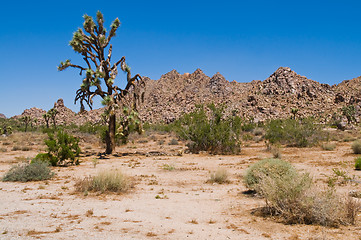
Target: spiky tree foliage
349, 112
294, 112
26, 120
46, 117
52, 114
93, 43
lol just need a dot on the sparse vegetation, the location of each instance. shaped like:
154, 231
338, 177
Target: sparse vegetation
173, 142
220, 176
35, 171
356, 147
328, 146
168, 167
105, 181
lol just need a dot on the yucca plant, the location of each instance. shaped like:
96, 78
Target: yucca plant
93, 43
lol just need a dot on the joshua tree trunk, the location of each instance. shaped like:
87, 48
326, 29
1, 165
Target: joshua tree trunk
110, 138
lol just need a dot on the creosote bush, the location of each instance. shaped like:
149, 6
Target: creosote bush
356, 147
290, 195
358, 163
294, 132
63, 149
210, 130
105, 181
267, 167
35, 171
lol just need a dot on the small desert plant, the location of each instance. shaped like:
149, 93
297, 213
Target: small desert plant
356, 147
105, 181
258, 131
35, 171
276, 152
358, 163
16, 148
62, 149
328, 146
173, 142
168, 167
220, 176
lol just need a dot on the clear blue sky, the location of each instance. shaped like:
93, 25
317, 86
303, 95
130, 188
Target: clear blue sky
243, 40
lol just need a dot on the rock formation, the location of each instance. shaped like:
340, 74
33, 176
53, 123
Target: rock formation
173, 94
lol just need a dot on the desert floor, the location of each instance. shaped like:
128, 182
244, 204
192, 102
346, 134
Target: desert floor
171, 198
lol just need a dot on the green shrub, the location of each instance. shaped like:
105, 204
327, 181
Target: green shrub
35, 171
105, 181
63, 149
216, 134
358, 163
274, 168
293, 132
356, 147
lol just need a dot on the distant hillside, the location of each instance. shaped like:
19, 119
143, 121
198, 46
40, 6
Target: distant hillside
173, 94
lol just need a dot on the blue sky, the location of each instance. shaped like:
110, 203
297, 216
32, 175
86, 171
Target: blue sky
243, 40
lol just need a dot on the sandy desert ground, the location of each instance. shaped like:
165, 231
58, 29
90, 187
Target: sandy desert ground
171, 198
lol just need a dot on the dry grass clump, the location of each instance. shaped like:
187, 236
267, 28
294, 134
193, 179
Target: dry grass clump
35, 171
105, 181
220, 176
290, 195
356, 147
328, 146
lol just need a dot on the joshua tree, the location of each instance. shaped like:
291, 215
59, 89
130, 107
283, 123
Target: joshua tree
52, 114
294, 112
46, 117
93, 45
349, 112
26, 120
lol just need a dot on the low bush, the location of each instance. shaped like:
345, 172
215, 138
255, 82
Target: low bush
294, 132
275, 168
220, 176
290, 195
105, 181
328, 146
358, 163
63, 149
35, 171
209, 130
356, 147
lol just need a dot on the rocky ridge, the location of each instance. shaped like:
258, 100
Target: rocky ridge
173, 94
